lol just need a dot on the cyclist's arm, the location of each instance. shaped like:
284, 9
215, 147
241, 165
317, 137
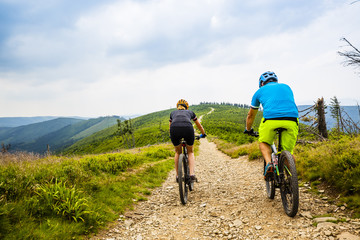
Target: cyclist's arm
169, 125
250, 118
199, 126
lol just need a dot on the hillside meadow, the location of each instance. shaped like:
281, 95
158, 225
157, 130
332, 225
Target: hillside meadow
68, 197
77, 192
149, 129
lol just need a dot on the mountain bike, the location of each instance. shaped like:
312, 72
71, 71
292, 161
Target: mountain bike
283, 177
184, 180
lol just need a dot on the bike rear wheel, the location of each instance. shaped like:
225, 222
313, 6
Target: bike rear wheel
270, 186
183, 188
289, 188
187, 176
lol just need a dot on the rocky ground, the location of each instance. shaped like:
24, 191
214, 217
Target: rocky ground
229, 202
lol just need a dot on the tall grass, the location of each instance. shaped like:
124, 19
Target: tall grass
6, 158
337, 162
66, 197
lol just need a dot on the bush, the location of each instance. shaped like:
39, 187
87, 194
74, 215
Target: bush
336, 162
56, 198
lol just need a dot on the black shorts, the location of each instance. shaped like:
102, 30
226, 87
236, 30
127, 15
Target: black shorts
177, 133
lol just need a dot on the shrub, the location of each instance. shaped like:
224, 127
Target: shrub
62, 200
336, 162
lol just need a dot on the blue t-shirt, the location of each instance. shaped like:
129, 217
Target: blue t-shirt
277, 100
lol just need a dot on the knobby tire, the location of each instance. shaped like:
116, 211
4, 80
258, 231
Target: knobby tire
187, 176
183, 189
270, 186
290, 188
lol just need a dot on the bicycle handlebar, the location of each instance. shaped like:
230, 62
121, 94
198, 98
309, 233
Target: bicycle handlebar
251, 133
254, 134
200, 136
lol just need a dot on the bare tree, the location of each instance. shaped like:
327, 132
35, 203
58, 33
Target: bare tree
321, 122
5, 148
352, 58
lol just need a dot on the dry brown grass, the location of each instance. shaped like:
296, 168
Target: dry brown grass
17, 157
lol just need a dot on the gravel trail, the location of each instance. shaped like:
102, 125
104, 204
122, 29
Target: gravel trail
229, 202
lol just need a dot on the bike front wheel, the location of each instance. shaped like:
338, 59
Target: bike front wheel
289, 187
183, 188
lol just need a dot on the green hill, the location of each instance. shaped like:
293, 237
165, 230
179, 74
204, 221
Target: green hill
148, 129
68, 135
31, 132
153, 128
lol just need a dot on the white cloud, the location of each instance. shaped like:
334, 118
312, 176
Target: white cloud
128, 57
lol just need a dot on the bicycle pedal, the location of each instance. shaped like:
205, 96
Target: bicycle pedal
193, 179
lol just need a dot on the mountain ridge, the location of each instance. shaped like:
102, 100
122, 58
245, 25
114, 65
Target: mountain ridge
62, 133
56, 133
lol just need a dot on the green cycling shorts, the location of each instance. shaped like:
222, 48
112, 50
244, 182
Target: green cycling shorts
288, 138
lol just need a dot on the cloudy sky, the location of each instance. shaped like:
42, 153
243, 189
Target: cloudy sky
122, 57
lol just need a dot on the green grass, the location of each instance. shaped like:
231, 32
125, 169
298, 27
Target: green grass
228, 123
149, 129
335, 162
66, 198
234, 151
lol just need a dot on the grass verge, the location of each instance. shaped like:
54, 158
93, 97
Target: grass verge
67, 198
234, 151
336, 163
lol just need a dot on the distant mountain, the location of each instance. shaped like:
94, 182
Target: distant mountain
21, 121
68, 135
31, 132
57, 133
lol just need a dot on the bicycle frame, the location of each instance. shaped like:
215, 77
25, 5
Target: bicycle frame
275, 155
184, 174
186, 164
184, 149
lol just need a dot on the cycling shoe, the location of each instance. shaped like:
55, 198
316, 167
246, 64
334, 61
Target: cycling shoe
269, 169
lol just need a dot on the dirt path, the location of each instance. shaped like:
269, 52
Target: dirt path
229, 202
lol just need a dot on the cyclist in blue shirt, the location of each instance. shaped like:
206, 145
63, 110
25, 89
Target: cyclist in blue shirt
279, 110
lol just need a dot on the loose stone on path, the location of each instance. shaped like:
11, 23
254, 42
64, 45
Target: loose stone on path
229, 202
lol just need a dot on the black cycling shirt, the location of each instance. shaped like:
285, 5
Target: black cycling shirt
182, 118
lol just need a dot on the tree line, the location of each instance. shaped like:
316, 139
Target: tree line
227, 104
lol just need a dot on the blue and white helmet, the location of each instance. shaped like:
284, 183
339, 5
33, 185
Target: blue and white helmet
267, 76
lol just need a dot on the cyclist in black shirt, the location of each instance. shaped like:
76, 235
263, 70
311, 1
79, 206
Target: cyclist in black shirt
181, 127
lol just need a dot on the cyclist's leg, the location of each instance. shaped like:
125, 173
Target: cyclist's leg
266, 138
265, 151
191, 158
175, 135
176, 158
190, 138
